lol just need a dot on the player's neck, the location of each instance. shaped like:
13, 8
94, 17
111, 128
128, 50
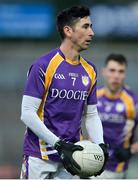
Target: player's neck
112, 94
69, 51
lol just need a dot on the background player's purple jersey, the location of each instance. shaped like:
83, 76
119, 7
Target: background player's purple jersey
119, 117
64, 88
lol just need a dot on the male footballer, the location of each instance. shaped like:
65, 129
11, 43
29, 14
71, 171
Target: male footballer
118, 110
59, 85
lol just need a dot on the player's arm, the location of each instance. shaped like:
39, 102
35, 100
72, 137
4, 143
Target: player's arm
134, 146
92, 121
95, 130
93, 124
30, 106
124, 154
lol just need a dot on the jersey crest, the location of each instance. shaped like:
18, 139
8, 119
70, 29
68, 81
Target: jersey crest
85, 80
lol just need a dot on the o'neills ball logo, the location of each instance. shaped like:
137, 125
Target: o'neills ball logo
85, 80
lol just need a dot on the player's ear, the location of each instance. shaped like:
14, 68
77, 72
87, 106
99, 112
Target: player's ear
67, 31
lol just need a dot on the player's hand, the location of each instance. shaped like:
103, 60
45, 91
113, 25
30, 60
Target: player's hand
65, 151
104, 147
122, 154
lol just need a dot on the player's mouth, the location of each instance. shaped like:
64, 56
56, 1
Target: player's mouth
88, 41
116, 84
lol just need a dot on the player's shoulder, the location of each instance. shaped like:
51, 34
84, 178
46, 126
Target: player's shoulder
130, 92
46, 58
89, 63
43, 61
100, 91
100, 88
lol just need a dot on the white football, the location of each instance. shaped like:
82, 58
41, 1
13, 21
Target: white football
90, 159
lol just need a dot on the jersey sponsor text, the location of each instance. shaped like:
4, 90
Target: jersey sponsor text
69, 94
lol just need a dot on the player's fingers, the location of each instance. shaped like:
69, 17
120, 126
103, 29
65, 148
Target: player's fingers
75, 164
71, 170
70, 166
77, 148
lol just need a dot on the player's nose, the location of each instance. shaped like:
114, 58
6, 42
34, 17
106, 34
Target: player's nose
91, 32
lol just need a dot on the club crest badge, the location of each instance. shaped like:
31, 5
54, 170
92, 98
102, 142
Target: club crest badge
119, 107
85, 80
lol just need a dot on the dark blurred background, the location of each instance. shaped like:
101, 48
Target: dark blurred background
28, 30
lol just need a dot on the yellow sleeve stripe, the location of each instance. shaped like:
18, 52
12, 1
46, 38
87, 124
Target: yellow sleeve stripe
120, 167
130, 112
129, 105
53, 65
43, 150
90, 71
45, 157
51, 69
81, 136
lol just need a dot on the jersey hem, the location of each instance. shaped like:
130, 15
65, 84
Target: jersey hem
33, 154
53, 157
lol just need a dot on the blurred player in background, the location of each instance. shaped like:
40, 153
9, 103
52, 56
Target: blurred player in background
58, 87
118, 110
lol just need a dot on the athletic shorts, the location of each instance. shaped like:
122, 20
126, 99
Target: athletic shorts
35, 168
110, 175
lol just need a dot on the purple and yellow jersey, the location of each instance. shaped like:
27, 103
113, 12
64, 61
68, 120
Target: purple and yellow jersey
119, 116
64, 88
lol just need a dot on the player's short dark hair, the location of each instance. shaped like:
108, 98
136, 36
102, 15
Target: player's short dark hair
69, 16
119, 58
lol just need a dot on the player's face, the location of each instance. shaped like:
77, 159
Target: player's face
114, 75
82, 33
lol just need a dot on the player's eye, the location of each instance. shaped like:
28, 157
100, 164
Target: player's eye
121, 71
112, 70
86, 26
